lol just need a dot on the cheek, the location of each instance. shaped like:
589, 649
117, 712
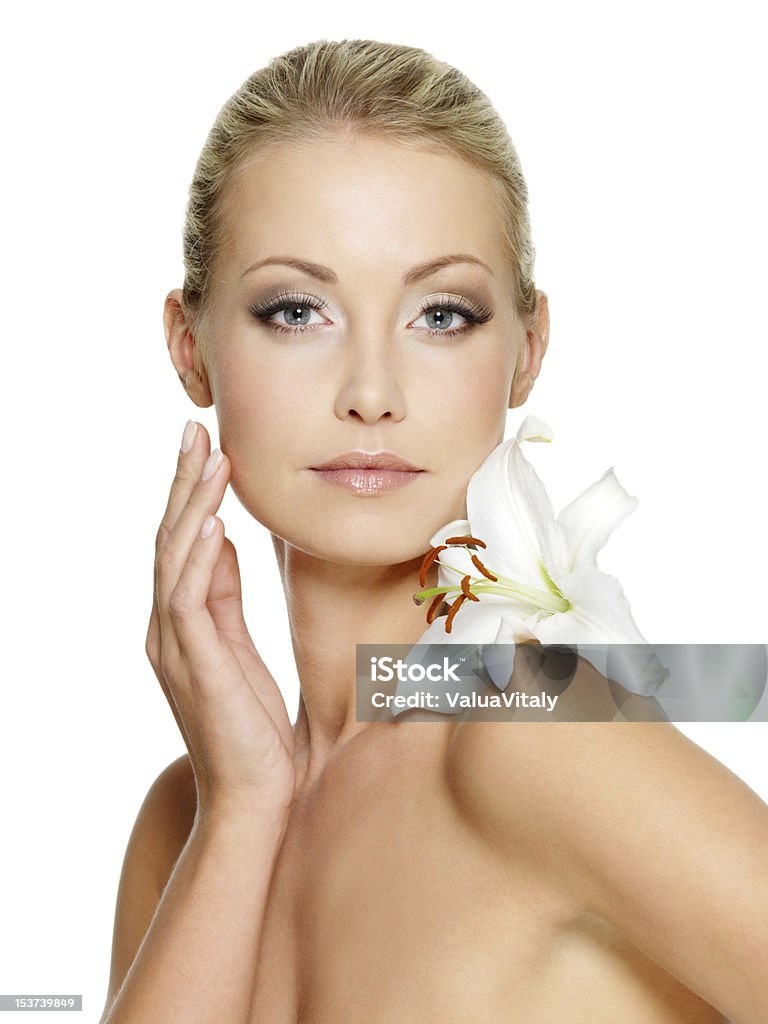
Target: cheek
256, 414
257, 398
468, 406
472, 403
486, 393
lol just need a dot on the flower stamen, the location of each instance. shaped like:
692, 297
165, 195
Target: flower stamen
434, 607
472, 588
452, 613
428, 559
489, 575
465, 540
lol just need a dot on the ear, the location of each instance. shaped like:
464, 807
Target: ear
181, 348
531, 354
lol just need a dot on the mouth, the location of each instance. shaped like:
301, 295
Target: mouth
369, 460
368, 473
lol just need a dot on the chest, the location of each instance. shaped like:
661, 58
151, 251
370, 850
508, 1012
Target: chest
385, 908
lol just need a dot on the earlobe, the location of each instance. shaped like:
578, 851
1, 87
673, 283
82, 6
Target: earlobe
522, 385
182, 350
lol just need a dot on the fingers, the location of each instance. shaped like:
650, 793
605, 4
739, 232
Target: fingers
198, 636
202, 497
196, 640
163, 645
194, 450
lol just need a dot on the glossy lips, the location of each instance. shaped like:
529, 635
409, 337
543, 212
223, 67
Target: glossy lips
368, 473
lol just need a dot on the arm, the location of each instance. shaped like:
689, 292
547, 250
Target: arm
645, 829
188, 950
197, 961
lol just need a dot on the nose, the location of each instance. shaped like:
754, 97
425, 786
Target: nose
370, 383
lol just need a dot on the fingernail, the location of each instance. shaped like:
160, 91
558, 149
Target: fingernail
211, 464
188, 436
207, 527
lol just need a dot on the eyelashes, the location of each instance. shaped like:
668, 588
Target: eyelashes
301, 305
473, 312
285, 301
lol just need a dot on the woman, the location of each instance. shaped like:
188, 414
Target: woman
359, 279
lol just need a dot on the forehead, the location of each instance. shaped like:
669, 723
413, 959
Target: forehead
357, 200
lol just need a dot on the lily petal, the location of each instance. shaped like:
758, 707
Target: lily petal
534, 429
600, 612
509, 508
513, 630
454, 563
588, 521
481, 623
476, 622
601, 616
499, 664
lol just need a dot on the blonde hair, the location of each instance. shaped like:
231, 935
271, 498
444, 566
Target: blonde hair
325, 87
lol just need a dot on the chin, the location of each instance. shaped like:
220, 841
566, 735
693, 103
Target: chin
350, 530
363, 540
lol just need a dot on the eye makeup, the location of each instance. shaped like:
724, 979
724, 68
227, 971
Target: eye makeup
264, 308
473, 312
301, 304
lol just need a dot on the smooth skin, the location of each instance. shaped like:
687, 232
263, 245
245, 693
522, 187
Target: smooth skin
337, 870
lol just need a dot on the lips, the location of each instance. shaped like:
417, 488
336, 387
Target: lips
370, 460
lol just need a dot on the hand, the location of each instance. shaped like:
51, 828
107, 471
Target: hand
225, 701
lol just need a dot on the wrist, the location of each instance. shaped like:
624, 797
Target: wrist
258, 818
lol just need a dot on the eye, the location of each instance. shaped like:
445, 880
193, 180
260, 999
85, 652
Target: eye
440, 318
449, 316
295, 315
288, 312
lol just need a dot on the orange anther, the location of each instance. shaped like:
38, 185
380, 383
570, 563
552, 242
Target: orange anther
429, 558
483, 570
466, 591
452, 613
466, 540
432, 610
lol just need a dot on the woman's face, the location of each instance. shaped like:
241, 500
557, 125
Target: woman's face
338, 324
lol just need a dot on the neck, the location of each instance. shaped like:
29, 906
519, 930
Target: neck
331, 608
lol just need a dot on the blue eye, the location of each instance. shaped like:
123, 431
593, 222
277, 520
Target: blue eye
289, 312
444, 316
441, 316
295, 316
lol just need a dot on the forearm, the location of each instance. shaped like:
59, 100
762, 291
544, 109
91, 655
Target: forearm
198, 959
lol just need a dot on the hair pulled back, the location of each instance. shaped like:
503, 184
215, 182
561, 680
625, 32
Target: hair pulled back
325, 88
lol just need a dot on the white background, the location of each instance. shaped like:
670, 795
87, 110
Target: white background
641, 133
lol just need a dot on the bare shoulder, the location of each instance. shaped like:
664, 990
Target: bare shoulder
545, 775
562, 783
562, 787
644, 828
159, 834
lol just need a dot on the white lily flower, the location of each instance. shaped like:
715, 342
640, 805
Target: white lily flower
535, 576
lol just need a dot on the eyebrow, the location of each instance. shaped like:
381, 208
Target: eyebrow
327, 276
